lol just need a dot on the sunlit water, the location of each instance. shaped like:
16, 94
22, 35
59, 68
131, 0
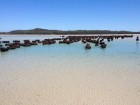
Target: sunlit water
62, 74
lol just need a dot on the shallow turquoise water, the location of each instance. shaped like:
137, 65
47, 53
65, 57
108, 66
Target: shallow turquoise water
119, 52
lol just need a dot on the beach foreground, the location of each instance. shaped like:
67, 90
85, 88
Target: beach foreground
71, 75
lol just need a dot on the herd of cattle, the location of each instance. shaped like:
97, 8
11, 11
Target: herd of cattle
97, 40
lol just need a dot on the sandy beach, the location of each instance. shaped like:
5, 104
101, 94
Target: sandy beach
80, 87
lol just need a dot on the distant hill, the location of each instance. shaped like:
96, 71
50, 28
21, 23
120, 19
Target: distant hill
46, 31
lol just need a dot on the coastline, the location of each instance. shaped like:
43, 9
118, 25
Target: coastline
64, 34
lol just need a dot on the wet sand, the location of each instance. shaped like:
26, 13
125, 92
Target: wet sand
70, 88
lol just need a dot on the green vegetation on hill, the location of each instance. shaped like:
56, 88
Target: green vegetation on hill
46, 31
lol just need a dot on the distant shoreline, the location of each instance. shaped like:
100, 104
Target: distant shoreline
65, 34
38, 31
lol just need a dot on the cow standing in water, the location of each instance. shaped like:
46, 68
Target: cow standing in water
137, 39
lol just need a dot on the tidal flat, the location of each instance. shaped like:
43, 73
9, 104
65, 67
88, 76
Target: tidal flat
61, 74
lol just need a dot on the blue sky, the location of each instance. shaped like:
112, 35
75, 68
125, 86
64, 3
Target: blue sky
70, 14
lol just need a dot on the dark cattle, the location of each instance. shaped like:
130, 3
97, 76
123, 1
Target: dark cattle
16, 41
56, 39
27, 44
44, 42
34, 43
1, 46
26, 41
137, 39
14, 45
103, 45
5, 41
48, 41
4, 49
84, 41
88, 46
122, 37
108, 39
7, 44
